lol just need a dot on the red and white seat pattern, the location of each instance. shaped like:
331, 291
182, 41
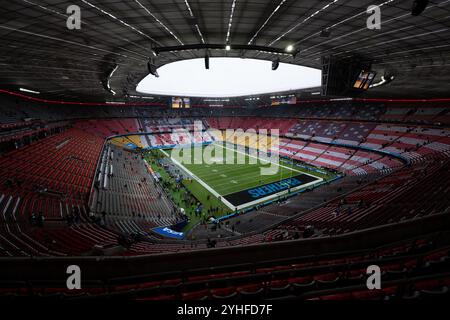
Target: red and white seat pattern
339, 158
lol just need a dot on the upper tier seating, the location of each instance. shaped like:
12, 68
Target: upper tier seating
49, 175
110, 127
412, 143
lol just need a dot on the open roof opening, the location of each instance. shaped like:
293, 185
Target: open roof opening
228, 77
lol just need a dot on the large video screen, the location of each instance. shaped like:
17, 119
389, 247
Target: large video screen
283, 101
181, 103
364, 80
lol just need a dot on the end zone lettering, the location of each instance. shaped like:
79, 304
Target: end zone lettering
267, 190
274, 187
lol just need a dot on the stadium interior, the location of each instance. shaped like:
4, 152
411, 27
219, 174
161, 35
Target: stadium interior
89, 174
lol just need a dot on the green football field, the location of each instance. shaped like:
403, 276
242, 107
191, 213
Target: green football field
236, 170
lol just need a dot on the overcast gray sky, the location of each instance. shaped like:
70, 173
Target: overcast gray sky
227, 77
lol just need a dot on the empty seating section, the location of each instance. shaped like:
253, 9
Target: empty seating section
257, 124
414, 112
319, 155
110, 127
127, 194
397, 114
24, 132
412, 143
50, 174
413, 269
177, 137
408, 193
55, 240
428, 115
134, 141
169, 124
248, 139
350, 161
55, 174
425, 114
342, 276
327, 131
343, 110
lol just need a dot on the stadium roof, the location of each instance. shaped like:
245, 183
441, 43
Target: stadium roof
39, 52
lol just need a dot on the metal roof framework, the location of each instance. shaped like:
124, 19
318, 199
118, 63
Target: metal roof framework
39, 52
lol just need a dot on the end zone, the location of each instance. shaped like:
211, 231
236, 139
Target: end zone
270, 191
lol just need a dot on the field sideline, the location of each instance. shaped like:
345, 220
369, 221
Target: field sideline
231, 180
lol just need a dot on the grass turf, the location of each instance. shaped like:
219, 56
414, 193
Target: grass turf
223, 178
229, 178
195, 188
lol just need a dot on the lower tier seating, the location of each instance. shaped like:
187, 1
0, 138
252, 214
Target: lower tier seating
411, 269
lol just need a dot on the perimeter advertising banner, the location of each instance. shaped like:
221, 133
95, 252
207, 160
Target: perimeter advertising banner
169, 233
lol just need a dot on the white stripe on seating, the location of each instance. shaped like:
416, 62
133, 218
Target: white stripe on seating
6, 207
15, 209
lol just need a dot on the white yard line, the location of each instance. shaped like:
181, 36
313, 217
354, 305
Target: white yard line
275, 163
225, 191
260, 200
204, 184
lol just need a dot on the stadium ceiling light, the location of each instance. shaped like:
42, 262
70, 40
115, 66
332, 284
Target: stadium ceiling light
29, 91
115, 102
337, 24
290, 48
119, 20
302, 22
265, 22
159, 22
191, 13
140, 97
230, 23
228, 47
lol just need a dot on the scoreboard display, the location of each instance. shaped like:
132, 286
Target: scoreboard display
364, 80
181, 103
